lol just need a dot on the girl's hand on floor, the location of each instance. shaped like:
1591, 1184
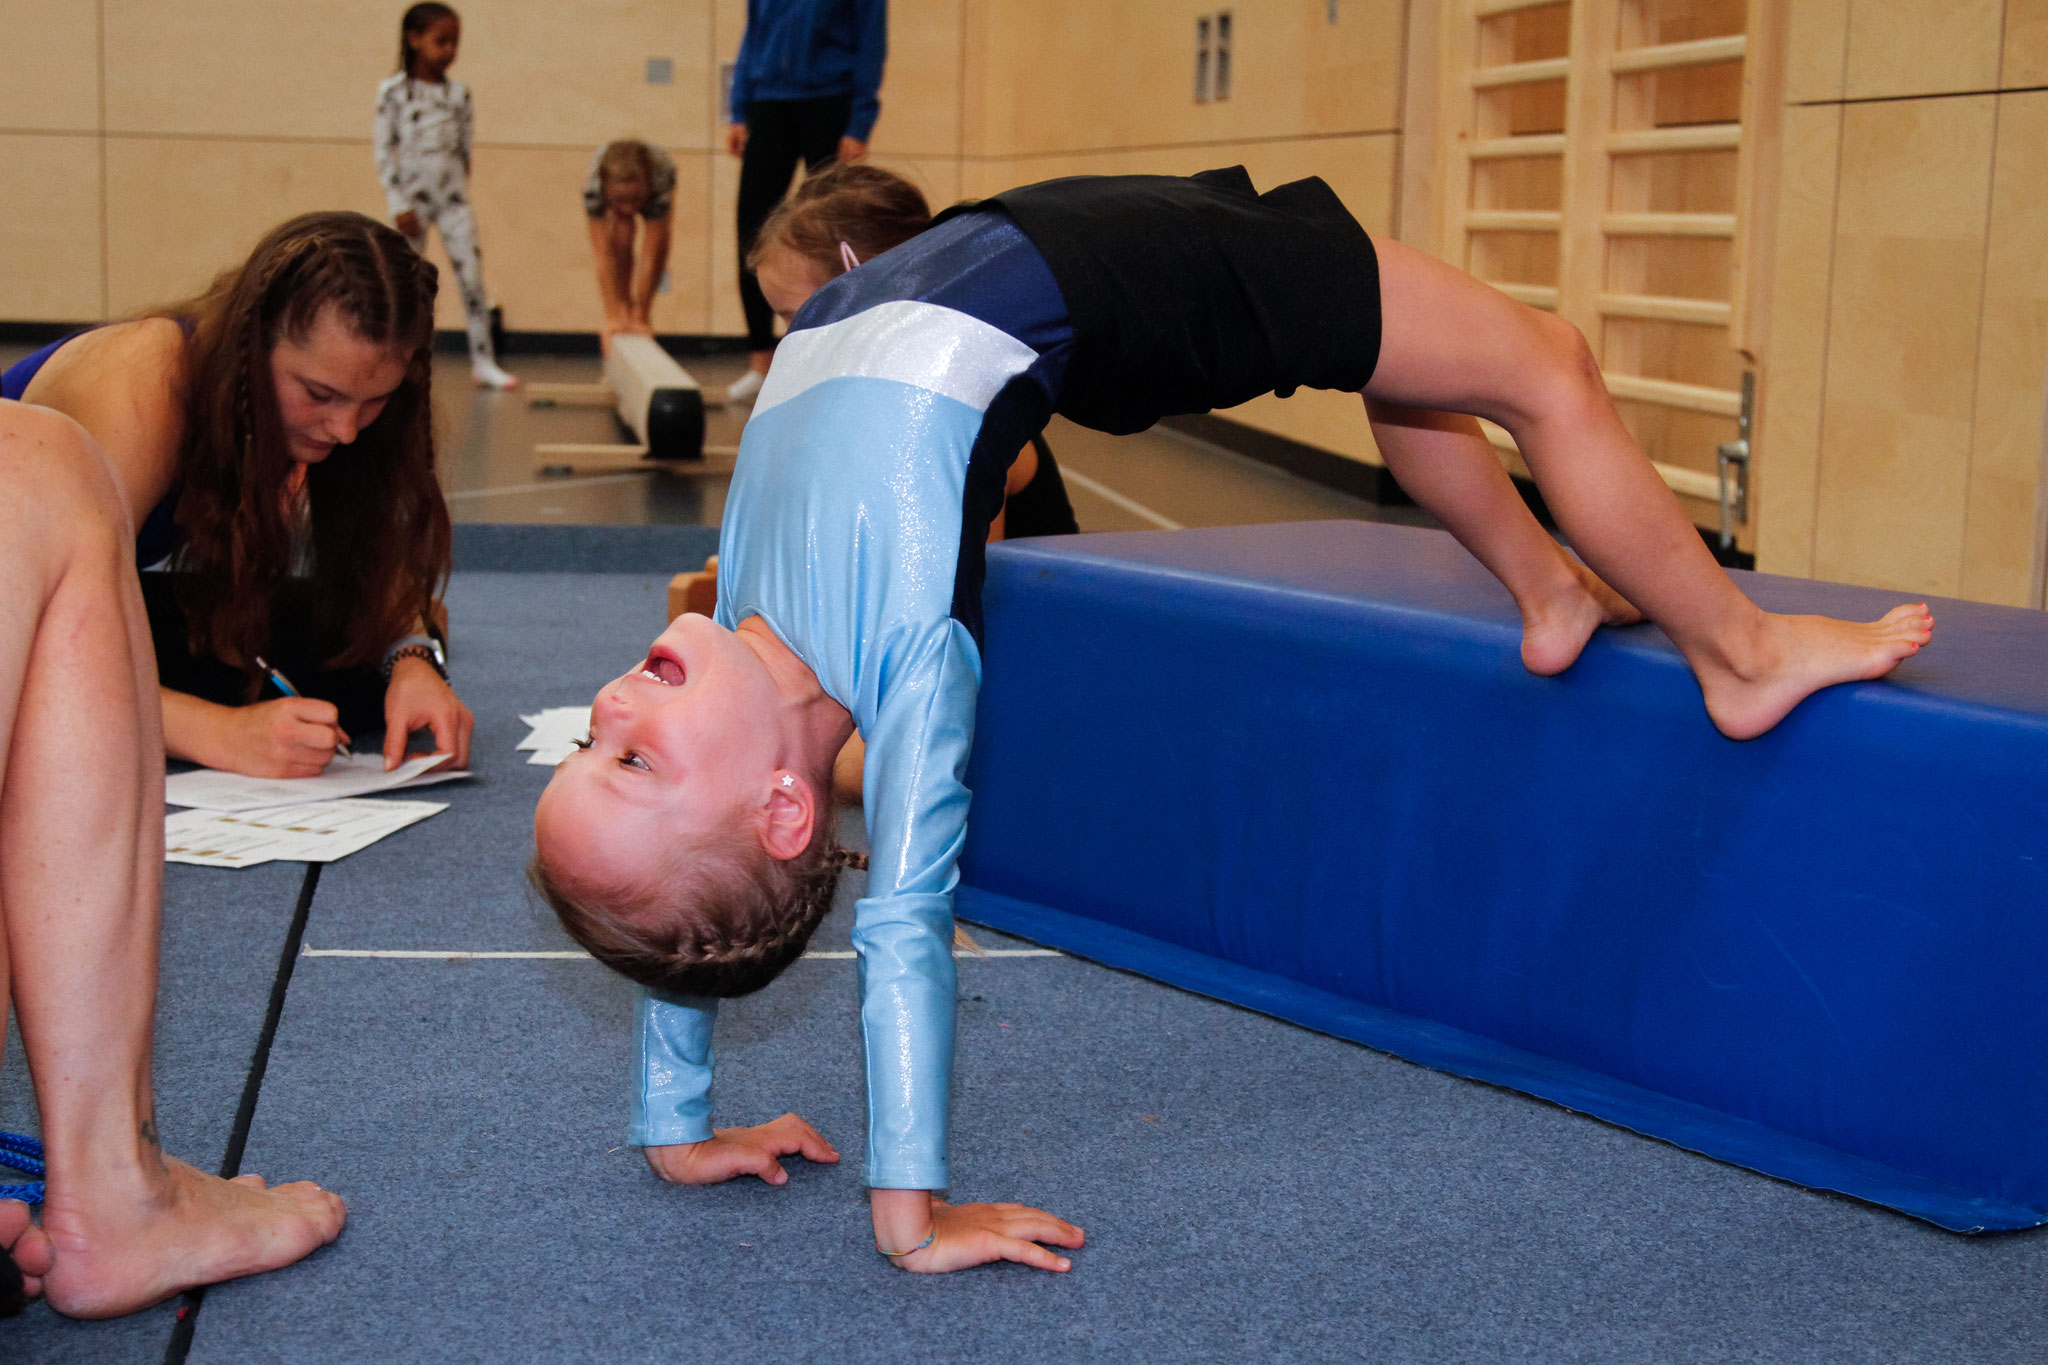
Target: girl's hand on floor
731, 1152
975, 1234
417, 699
288, 737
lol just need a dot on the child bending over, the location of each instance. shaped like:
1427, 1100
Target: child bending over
689, 846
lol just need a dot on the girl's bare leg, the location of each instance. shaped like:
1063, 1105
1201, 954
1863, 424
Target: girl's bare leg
1450, 343
1445, 463
81, 863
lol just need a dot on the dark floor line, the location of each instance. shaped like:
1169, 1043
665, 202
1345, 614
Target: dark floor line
252, 1088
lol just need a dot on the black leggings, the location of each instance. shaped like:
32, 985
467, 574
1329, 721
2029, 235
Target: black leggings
294, 650
780, 133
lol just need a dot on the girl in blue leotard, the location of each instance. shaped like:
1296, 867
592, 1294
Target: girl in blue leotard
689, 846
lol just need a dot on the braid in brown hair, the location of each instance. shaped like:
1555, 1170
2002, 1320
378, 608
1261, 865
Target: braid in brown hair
377, 527
724, 919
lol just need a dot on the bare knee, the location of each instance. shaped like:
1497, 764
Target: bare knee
1564, 374
57, 480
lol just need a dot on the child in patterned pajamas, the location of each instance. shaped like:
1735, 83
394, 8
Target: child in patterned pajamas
423, 129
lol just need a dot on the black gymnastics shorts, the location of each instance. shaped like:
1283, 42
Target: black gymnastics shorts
1198, 292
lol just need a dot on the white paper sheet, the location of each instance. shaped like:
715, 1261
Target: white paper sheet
209, 789
316, 832
553, 732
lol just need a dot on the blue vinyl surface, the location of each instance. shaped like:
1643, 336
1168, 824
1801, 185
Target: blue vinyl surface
1301, 768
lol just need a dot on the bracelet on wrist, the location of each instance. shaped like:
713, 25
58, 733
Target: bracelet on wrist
929, 1238
416, 647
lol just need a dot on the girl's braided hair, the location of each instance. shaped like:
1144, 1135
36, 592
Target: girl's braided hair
722, 917
375, 523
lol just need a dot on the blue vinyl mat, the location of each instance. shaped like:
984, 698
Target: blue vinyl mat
1252, 1190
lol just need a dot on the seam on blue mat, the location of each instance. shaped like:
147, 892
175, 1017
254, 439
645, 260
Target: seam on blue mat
180, 1343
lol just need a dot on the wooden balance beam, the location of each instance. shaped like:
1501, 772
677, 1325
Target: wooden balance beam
655, 399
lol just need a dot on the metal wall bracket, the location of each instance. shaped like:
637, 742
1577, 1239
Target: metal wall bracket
1732, 463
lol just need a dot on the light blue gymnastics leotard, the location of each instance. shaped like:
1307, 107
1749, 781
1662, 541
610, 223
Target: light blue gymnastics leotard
866, 481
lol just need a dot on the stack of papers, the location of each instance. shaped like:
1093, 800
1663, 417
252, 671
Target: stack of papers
241, 821
360, 775
554, 733
317, 832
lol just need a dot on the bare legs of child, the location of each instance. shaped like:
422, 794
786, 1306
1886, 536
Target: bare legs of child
1451, 344
1445, 463
81, 867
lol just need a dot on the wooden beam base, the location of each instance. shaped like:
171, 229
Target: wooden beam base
544, 395
575, 458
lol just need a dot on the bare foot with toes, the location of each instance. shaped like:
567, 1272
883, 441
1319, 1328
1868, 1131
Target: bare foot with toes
117, 1252
1795, 656
1555, 628
24, 1244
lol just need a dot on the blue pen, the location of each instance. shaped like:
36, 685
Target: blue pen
283, 684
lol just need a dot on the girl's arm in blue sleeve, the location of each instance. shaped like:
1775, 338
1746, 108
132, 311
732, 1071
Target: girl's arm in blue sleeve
869, 59
672, 1069
903, 929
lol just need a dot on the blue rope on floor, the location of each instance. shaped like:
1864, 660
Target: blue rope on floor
20, 1152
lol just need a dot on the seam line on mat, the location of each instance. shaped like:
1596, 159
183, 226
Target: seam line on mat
180, 1343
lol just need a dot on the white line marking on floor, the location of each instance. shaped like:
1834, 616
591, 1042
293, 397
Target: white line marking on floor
1130, 505
576, 955
547, 487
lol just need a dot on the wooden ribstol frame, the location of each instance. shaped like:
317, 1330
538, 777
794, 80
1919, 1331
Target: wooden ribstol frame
1607, 160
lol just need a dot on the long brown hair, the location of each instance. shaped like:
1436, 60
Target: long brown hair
864, 206
374, 522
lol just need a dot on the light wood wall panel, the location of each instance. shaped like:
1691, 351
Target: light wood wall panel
2026, 44
1816, 44
49, 66
1787, 469
1079, 75
1922, 47
180, 210
1908, 280
923, 83
49, 227
554, 74
2003, 541
247, 67
540, 71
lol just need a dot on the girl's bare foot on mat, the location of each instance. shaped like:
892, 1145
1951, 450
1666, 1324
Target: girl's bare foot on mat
1555, 627
123, 1249
1792, 657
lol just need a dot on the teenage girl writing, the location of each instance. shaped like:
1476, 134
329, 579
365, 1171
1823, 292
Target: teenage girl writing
275, 445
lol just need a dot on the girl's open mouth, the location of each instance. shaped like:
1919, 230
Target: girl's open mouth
663, 669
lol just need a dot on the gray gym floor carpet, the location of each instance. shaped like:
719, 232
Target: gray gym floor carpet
1251, 1191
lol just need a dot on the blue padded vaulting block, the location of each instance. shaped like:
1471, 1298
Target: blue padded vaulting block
1302, 768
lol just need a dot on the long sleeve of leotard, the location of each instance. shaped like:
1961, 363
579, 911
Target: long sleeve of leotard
916, 804
672, 1058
